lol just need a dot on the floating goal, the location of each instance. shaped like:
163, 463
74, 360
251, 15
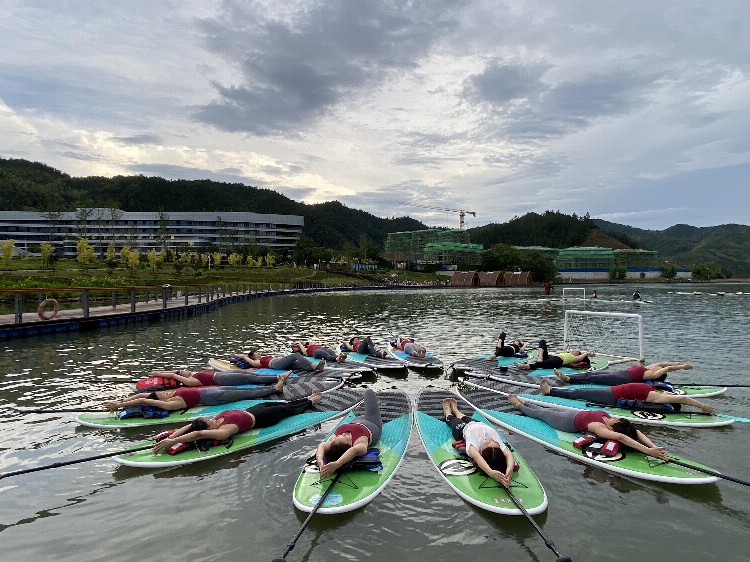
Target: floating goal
617, 336
574, 293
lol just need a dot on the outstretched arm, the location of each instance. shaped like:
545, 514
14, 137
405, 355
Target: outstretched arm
604, 432
220, 434
502, 478
253, 362
357, 449
659, 370
182, 376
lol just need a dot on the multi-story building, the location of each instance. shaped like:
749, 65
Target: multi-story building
435, 246
146, 230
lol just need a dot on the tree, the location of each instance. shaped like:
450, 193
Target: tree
617, 273
82, 218
52, 217
234, 259
7, 252
113, 215
216, 258
163, 235
270, 260
85, 254
48, 253
111, 259
669, 272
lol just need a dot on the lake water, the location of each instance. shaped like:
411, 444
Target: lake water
240, 507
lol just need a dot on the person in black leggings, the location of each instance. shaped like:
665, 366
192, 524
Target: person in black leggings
229, 422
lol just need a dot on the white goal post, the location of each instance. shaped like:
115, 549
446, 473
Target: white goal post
615, 335
577, 292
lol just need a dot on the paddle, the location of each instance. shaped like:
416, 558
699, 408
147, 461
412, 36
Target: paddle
67, 463
545, 538
60, 410
709, 472
298, 534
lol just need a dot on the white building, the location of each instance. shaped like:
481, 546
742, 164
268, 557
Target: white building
146, 230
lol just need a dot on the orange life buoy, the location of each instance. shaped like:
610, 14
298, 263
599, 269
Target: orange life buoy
42, 305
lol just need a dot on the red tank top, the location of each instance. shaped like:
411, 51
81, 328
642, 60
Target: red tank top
355, 344
265, 361
356, 429
206, 378
311, 348
190, 394
632, 391
583, 419
243, 420
636, 372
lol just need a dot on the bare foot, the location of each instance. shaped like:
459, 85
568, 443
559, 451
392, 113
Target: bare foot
514, 400
545, 387
448, 406
687, 367
341, 358
522, 366
320, 366
561, 376
316, 397
281, 382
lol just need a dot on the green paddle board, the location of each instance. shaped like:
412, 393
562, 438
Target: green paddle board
522, 379
649, 417
335, 403
626, 462
296, 387
460, 473
356, 488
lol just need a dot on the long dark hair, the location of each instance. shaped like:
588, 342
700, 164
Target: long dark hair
626, 428
198, 424
495, 458
336, 450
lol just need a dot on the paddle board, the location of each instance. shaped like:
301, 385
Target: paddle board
356, 488
377, 363
295, 388
489, 362
460, 473
626, 462
525, 380
335, 404
648, 417
429, 361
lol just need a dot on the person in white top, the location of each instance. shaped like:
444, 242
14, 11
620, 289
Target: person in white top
483, 444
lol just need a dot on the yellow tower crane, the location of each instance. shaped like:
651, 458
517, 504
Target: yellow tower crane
461, 213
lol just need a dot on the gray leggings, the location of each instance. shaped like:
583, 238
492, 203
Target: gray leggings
234, 378
216, 395
291, 361
371, 420
366, 347
562, 420
609, 379
603, 396
325, 354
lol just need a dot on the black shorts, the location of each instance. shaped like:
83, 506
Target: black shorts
457, 426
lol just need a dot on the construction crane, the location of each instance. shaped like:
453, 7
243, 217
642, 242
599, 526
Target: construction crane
461, 213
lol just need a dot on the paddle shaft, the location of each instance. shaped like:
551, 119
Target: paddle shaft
545, 538
60, 410
710, 472
67, 463
293, 542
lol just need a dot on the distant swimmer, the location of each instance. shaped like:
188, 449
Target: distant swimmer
636, 295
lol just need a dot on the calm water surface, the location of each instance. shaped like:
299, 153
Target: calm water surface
240, 507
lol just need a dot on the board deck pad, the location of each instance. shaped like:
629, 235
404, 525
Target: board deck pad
297, 387
335, 403
460, 473
626, 462
378, 363
684, 418
331, 370
429, 361
520, 378
356, 488
481, 363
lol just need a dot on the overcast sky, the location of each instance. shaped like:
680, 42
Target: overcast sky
634, 112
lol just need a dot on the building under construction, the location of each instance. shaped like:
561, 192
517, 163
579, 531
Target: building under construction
596, 262
438, 246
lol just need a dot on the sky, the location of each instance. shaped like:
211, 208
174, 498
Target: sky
633, 112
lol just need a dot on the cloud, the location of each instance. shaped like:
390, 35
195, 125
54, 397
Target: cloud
298, 69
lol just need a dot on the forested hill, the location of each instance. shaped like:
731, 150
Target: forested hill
31, 186
727, 245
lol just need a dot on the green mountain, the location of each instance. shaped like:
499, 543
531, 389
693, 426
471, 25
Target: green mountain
31, 186
727, 245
